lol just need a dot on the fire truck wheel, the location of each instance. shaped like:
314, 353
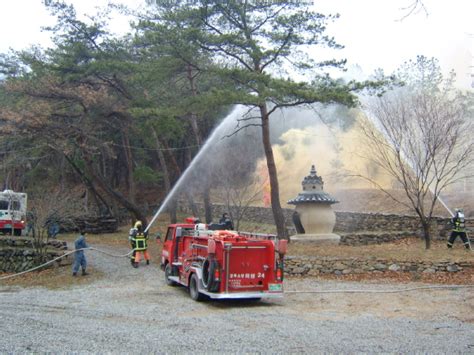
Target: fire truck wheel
167, 274
208, 268
193, 289
17, 232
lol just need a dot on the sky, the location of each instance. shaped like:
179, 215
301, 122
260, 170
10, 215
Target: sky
374, 32
377, 33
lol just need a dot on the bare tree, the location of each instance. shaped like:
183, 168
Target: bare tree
235, 194
420, 134
414, 7
49, 208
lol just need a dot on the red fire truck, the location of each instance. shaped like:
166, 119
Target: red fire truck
222, 264
12, 212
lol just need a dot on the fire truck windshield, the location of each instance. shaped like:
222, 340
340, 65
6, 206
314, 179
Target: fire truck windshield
15, 205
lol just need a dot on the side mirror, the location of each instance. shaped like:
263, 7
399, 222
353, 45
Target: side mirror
179, 232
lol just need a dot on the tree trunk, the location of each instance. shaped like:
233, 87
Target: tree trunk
192, 205
172, 211
166, 176
62, 177
100, 201
129, 162
129, 205
207, 205
197, 135
426, 235
174, 164
272, 173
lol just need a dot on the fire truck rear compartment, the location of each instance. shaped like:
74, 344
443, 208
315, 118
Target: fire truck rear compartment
247, 268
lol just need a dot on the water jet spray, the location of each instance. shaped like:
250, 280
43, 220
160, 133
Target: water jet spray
238, 111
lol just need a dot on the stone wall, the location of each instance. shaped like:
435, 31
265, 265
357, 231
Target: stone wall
368, 238
355, 228
19, 254
313, 266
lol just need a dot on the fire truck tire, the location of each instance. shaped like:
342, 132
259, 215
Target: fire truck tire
17, 232
208, 267
194, 289
167, 274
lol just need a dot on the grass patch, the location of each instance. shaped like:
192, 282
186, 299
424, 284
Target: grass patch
410, 249
54, 278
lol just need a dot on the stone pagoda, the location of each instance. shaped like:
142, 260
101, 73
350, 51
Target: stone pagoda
314, 218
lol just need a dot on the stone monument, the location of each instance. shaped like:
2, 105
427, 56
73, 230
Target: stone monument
314, 218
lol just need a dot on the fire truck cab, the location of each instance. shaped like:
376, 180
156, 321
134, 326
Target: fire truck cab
12, 212
222, 264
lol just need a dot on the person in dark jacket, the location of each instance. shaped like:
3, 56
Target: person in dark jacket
53, 230
226, 221
79, 256
30, 218
459, 230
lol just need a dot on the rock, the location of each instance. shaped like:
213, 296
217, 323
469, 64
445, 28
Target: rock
452, 268
339, 266
394, 267
346, 271
380, 267
429, 271
298, 270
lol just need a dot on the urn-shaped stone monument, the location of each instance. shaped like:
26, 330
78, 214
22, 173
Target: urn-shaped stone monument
314, 218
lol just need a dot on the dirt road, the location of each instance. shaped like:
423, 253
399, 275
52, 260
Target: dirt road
133, 311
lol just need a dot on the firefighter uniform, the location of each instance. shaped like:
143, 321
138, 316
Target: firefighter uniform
139, 242
459, 229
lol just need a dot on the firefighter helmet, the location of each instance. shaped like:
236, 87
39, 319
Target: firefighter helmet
138, 224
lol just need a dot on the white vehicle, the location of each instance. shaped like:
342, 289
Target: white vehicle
12, 212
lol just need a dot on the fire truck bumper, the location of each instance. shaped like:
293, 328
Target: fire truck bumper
243, 295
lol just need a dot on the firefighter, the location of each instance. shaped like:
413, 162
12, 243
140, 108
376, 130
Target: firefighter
79, 256
459, 229
138, 240
226, 221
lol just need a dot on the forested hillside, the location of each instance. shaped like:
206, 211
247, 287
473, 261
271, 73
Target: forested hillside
112, 122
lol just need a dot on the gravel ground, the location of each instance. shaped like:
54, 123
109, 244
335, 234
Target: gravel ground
133, 311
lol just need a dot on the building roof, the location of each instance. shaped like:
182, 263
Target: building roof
312, 191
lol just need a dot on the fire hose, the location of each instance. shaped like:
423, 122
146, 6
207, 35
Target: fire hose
62, 256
